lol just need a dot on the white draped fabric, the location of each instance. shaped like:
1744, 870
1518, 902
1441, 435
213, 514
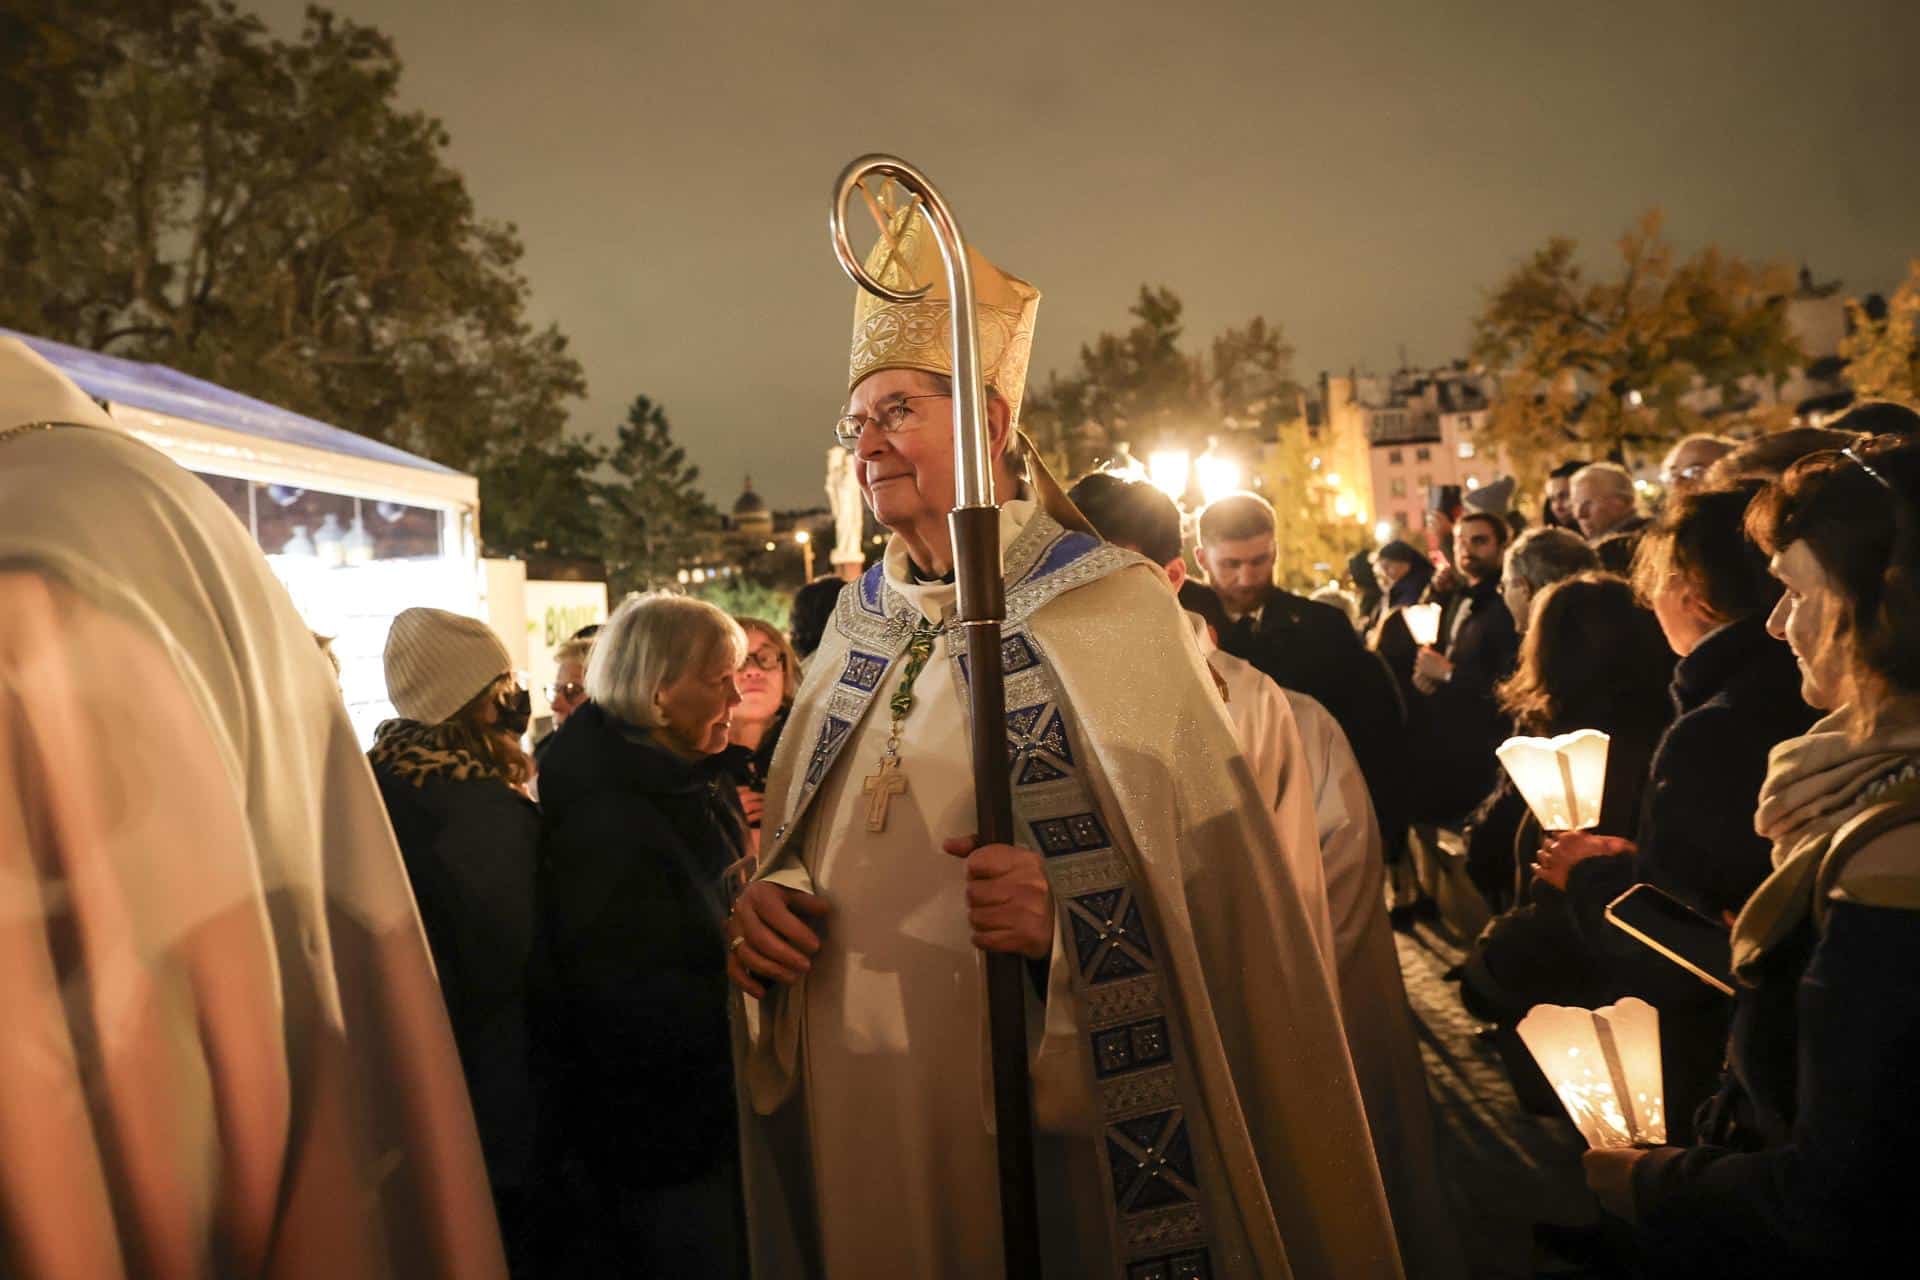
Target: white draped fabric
225, 1050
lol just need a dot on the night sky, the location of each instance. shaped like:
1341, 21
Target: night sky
1359, 173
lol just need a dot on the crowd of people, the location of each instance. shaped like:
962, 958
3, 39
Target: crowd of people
693, 985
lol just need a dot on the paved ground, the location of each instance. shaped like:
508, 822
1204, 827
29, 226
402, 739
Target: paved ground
1506, 1169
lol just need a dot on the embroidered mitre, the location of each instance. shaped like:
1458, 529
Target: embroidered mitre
916, 335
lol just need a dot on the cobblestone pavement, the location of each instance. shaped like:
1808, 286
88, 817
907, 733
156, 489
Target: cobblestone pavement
1505, 1168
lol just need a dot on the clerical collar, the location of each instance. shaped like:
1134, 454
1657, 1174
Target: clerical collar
926, 579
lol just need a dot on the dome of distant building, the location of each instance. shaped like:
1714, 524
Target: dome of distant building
750, 513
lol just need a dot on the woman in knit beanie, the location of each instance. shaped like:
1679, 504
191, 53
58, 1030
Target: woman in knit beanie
451, 769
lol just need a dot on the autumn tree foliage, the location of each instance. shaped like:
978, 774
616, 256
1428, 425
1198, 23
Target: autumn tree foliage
1882, 347
179, 186
1143, 388
1590, 363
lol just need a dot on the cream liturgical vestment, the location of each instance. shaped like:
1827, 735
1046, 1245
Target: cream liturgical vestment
224, 1051
1297, 749
1373, 998
1263, 723
1195, 1106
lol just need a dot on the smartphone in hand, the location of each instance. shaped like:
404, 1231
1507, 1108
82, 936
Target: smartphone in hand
1701, 946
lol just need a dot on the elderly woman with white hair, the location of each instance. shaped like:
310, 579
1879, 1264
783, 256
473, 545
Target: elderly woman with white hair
642, 825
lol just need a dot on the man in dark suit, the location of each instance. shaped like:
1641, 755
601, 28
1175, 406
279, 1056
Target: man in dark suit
1477, 647
1299, 643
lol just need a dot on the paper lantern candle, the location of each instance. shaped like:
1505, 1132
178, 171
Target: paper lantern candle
1605, 1065
1424, 621
1561, 778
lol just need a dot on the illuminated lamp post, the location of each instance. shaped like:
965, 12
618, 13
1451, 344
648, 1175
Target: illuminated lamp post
1169, 470
805, 540
1218, 474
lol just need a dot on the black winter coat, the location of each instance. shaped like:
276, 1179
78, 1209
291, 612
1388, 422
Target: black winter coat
1462, 715
1806, 1165
633, 1011
1313, 649
1736, 696
471, 850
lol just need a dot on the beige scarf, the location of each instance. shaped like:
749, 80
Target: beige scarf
1815, 785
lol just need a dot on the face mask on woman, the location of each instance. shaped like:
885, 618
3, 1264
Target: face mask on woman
515, 707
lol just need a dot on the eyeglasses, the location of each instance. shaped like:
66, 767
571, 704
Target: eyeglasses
1867, 467
571, 689
1693, 471
762, 659
894, 416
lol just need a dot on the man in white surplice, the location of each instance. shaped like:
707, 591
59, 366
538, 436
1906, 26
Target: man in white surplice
863, 1070
1298, 754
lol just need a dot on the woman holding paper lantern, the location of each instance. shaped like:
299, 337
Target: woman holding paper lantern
1809, 1158
1737, 692
1592, 659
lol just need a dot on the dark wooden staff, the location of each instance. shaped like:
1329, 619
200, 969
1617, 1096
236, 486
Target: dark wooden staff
975, 525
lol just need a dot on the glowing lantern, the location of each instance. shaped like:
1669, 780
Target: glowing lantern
1424, 621
1561, 778
1605, 1065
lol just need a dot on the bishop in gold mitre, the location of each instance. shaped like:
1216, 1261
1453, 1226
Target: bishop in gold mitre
919, 335
1195, 1109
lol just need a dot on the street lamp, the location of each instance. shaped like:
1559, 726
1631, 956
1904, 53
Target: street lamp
1168, 470
805, 540
1219, 476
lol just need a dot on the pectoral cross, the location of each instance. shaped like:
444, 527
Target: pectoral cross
881, 788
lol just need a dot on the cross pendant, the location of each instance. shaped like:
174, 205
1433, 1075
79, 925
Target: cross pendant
881, 788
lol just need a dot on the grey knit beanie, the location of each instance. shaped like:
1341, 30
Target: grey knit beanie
438, 662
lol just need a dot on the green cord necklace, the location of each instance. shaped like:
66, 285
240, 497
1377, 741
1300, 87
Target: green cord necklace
889, 782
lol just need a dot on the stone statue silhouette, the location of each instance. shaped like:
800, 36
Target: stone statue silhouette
849, 509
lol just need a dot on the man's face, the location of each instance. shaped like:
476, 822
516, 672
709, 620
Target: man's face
1685, 470
1518, 597
1476, 550
1240, 571
1598, 506
567, 692
1560, 498
906, 476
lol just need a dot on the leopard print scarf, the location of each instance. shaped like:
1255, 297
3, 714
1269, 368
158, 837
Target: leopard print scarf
416, 752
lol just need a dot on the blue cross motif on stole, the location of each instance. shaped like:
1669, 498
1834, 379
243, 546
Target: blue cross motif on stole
1037, 745
1152, 1162
1109, 936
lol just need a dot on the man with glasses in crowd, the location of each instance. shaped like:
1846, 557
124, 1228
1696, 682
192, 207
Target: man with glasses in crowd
569, 687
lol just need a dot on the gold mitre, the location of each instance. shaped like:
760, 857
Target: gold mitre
915, 335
